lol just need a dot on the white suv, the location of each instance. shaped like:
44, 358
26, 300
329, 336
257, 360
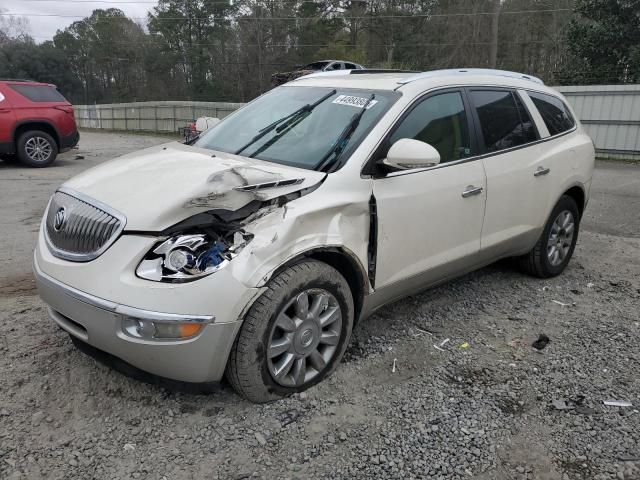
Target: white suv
254, 251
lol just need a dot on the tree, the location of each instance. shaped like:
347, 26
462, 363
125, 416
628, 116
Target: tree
13, 28
603, 41
107, 53
190, 30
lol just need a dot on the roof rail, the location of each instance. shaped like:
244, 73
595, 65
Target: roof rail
470, 71
364, 71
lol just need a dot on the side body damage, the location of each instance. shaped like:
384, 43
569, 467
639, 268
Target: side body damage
265, 237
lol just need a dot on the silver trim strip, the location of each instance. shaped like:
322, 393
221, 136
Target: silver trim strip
478, 157
115, 307
82, 257
470, 71
434, 91
265, 185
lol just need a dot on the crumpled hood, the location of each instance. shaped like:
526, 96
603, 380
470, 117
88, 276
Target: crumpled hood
160, 186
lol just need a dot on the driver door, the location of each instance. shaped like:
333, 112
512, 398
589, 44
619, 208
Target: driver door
430, 220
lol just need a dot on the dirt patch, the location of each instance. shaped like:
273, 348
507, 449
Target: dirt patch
18, 285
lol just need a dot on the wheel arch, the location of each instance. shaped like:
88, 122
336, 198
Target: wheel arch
345, 262
35, 124
578, 194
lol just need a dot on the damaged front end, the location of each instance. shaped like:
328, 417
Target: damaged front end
183, 258
208, 241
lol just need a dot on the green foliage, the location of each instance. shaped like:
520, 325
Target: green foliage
214, 50
604, 42
25, 59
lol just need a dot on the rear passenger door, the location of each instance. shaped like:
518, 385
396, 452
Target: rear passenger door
518, 187
560, 154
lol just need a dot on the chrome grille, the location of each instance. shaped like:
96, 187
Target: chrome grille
79, 228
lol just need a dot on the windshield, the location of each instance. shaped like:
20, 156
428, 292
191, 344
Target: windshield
310, 121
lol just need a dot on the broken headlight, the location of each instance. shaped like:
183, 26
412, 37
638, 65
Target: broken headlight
183, 258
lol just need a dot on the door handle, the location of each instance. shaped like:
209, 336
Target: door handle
471, 190
541, 171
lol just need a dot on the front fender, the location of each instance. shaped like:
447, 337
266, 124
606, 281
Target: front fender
282, 233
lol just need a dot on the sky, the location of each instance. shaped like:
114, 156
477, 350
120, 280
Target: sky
43, 28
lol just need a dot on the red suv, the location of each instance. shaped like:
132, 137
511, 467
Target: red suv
36, 122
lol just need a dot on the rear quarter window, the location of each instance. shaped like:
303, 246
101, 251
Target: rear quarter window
554, 112
39, 93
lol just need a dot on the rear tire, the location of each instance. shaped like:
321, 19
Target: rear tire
287, 345
551, 254
37, 149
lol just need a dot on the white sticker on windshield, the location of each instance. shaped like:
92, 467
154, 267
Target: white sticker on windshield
352, 101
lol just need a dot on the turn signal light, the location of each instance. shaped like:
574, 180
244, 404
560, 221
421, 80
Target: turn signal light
150, 330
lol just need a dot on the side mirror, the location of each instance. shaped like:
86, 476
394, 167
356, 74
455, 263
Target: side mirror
407, 154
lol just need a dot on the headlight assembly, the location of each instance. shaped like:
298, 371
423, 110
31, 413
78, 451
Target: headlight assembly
183, 258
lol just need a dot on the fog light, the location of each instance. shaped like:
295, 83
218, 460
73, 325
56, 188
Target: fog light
150, 330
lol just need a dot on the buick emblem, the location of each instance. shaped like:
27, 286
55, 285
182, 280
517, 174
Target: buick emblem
59, 219
306, 338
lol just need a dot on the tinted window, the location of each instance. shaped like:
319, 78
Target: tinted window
554, 112
529, 131
503, 124
441, 122
350, 66
39, 93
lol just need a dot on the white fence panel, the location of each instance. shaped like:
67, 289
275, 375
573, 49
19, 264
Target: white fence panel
611, 116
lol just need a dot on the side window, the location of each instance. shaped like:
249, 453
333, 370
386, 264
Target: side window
39, 93
440, 121
350, 66
335, 66
504, 121
554, 112
529, 130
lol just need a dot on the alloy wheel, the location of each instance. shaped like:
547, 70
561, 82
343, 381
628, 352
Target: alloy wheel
38, 149
560, 238
304, 337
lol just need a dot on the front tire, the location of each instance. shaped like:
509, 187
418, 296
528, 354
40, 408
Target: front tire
37, 149
551, 254
294, 335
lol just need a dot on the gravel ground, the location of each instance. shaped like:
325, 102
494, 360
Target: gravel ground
447, 411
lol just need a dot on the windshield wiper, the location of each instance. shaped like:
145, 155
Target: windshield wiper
278, 125
338, 148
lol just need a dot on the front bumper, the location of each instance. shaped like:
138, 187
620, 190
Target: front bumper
89, 300
98, 322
